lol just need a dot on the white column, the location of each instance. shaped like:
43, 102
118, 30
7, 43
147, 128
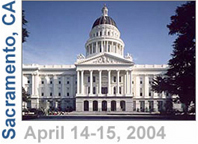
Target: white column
124, 83
96, 47
117, 105
112, 47
36, 86
99, 105
107, 47
78, 82
146, 86
90, 105
117, 48
131, 79
91, 82
92, 48
109, 82
127, 81
99, 89
46, 81
118, 72
54, 85
137, 89
108, 105
72, 85
82, 82
33, 84
62, 86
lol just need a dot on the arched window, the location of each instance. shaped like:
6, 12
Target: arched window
113, 105
108, 33
104, 105
86, 105
95, 105
122, 105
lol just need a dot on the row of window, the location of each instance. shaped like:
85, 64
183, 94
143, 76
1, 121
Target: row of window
105, 34
51, 82
104, 90
150, 106
94, 79
59, 94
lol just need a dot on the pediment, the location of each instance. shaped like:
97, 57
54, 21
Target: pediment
105, 59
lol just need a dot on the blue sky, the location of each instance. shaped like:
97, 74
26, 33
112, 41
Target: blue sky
59, 30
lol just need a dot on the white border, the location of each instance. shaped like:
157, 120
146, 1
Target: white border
177, 132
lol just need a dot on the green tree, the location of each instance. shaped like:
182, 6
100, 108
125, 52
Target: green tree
180, 76
25, 95
25, 33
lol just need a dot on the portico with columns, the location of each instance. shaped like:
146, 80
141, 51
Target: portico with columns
104, 75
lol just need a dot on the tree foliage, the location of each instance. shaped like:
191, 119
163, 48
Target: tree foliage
25, 95
25, 33
180, 76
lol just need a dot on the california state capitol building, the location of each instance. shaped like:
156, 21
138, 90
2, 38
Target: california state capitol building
105, 79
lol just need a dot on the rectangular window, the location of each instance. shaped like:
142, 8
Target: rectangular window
150, 80
94, 79
94, 90
160, 105
141, 80
120, 90
50, 94
104, 90
67, 94
134, 105
59, 94
50, 82
167, 94
142, 106
149, 93
150, 90
114, 90
120, 79
88, 90
132, 82
88, 79
150, 106
67, 82
42, 82
42, 94
59, 82
140, 91
114, 79
28, 81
